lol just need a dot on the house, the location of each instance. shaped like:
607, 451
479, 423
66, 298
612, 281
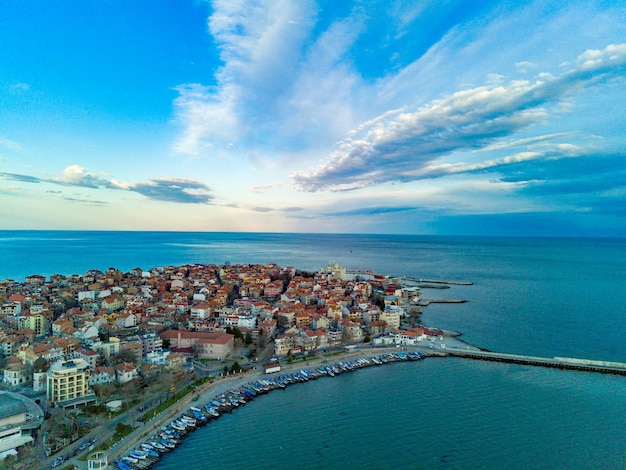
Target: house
284, 343
392, 319
410, 337
150, 342
125, 372
86, 333
126, 320
175, 361
112, 303
109, 348
89, 355
149, 370
16, 373
102, 375
200, 311
321, 338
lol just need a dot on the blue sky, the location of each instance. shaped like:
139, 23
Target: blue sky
481, 118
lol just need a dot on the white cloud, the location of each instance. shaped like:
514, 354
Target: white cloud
401, 146
9, 144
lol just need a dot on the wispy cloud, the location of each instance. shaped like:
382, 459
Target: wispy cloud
265, 187
401, 146
19, 88
170, 189
9, 144
371, 211
274, 67
78, 200
180, 190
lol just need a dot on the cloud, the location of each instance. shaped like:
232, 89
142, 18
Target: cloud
179, 190
80, 200
264, 187
76, 175
9, 144
18, 177
18, 88
371, 211
286, 81
402, 146
170, 189
259, 47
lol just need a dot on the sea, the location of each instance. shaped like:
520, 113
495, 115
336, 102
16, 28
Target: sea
547, 297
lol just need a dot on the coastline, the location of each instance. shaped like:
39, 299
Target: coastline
205, 393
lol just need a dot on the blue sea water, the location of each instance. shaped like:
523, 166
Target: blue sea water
545, 297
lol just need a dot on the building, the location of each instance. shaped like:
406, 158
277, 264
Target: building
12, 419
150, 342
205, 344
108, 348
16, 373
68, 383
35, 321
125, 372
89, 355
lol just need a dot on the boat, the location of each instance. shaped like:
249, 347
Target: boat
178, 427
167, 443
158, 446
150, 452
122, 465
137, 454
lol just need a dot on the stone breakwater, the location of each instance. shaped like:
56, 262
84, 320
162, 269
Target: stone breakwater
149, 447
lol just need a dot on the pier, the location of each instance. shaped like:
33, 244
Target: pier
456, 283
586, 365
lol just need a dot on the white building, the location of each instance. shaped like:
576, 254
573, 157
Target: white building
12, 419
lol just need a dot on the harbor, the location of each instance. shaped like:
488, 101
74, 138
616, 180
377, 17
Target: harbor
144, 451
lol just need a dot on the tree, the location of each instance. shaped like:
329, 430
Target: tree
367, 339
248, 339
125, 355
166, 343
379, 301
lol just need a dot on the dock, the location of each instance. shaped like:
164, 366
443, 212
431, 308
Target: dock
456, 283
586, 365
426, 302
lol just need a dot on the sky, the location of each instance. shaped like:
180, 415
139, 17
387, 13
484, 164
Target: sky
503, 118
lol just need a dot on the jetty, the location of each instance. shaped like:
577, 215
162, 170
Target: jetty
570, 363
456, 283
426, 302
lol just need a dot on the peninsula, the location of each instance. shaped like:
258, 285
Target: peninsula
139, 352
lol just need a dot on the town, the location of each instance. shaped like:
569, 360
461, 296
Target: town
75, 349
